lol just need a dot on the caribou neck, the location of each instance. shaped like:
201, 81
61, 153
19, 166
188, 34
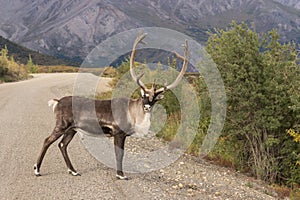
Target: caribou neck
136, 109
140, 118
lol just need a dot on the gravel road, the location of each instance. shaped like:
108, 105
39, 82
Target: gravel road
25, 122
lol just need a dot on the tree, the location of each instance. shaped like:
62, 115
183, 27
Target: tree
9, 69
261, 78
3, 61
31, 67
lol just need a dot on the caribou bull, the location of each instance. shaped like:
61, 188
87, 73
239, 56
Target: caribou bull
128, 116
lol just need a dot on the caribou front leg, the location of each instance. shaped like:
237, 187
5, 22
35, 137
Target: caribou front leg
119, 141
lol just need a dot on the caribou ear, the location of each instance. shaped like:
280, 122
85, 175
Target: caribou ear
159, 97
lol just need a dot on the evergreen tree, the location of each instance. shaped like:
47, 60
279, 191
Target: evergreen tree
31, 67
3, 61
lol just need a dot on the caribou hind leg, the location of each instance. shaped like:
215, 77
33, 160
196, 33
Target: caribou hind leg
68, 136
119, 141
57, 133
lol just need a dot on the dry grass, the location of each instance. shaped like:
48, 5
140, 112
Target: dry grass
56, 69
107, 71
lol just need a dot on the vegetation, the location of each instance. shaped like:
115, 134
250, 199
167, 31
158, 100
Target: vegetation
261, 77
31, 67
9, 69
56, 69
295, 194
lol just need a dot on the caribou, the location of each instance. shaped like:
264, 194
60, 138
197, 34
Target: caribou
129, 116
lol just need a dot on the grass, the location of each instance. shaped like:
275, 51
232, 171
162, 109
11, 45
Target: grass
295, 194
56, 69
71, 69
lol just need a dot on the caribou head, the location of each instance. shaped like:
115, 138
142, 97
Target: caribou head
154, 94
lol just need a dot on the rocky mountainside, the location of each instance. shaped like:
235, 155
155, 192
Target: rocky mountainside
21, 55
71, 28
293, 3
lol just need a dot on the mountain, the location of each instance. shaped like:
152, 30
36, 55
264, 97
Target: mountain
293, 3
72, 28
21, 55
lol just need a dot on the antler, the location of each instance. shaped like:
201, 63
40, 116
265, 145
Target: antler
180, 75
137, 79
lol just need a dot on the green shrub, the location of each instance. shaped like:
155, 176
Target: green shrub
261, 78
9, 69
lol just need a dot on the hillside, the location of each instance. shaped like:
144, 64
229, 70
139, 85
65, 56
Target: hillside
21, 55
71, 29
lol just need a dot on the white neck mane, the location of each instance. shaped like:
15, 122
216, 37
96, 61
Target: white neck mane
142, 126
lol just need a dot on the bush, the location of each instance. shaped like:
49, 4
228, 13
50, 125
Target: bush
9, 69
261, 78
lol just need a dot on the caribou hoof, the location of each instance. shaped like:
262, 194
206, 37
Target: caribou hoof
73, 173
121, 177
36, 172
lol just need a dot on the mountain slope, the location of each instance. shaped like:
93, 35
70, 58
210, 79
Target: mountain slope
292, 3
21, 55
71, 29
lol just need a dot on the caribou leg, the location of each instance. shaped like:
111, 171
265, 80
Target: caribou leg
57, 133
68, 136
119, 141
